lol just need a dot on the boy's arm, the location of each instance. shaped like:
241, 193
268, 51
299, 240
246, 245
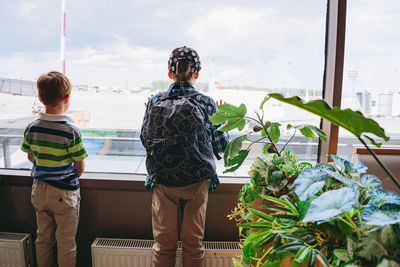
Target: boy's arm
31, 158
79, 167
78, 153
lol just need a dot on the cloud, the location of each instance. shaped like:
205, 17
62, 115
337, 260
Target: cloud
253, 46
109, 64
261, 43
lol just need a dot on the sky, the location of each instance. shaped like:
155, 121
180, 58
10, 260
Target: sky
263, 43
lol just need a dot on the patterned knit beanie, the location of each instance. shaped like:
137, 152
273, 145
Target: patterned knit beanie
184, 53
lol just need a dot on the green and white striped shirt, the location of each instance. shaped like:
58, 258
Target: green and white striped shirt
55, 144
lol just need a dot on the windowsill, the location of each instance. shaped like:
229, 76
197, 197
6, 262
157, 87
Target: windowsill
139, 177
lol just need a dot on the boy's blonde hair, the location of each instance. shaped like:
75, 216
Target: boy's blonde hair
53, 88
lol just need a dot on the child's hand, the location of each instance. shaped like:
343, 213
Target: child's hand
145, 103
220, 102
79, 167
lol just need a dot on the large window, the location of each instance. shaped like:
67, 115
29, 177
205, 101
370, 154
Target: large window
116, 57
371, 78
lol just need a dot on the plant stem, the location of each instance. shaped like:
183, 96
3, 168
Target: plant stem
250, 118
269, 137
265, 254
253, 142
359, 216
288, 140
388, 172
352, 226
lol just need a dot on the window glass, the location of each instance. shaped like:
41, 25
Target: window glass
371, 78
116, 57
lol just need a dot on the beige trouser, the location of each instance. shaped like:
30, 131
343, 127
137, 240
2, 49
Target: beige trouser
179, 211
57, 216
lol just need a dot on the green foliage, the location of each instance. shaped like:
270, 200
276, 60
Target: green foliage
309, 131
353, 121
381, 216
275, 173
378, 244
264, 101
370, 182
334, 222
249, 254
309, 182
347, 167
231, 116
303, 207
236, 263
331, 204
233, 155
379, 197
330, 211
274, 132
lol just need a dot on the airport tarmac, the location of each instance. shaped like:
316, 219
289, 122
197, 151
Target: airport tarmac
124, 112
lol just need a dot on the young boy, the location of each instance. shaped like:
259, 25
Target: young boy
55, 148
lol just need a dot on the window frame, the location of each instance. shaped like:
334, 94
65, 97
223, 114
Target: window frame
332, 78
333, 73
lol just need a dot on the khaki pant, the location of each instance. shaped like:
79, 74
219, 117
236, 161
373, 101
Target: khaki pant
179, 211
57, 216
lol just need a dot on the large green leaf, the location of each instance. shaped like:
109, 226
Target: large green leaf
324, 166
309, 131
263, 102
231, 116
262, 224
370, 182
313, 258
348, 167
353, 121
274, 132
232, 124
384, 215
249, 252
262, 215
303, 207
379, 197
286, 203
377, 243
331, 204
302, 255
344, 180
309, 182
233, 148
236, 161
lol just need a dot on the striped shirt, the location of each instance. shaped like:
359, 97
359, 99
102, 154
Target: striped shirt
219, 140
55, 144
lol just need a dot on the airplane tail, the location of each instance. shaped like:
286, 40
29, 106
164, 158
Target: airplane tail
213, 84
218, 85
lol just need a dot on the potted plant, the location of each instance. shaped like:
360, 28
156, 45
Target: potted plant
274, 171
332, 212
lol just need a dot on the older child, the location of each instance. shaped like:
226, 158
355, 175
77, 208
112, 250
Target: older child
180, 141
55, 148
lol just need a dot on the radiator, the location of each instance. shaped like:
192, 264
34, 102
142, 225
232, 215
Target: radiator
108, 252
15, 250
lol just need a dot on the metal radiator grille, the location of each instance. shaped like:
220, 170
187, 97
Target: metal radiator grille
138, 243
11, 236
